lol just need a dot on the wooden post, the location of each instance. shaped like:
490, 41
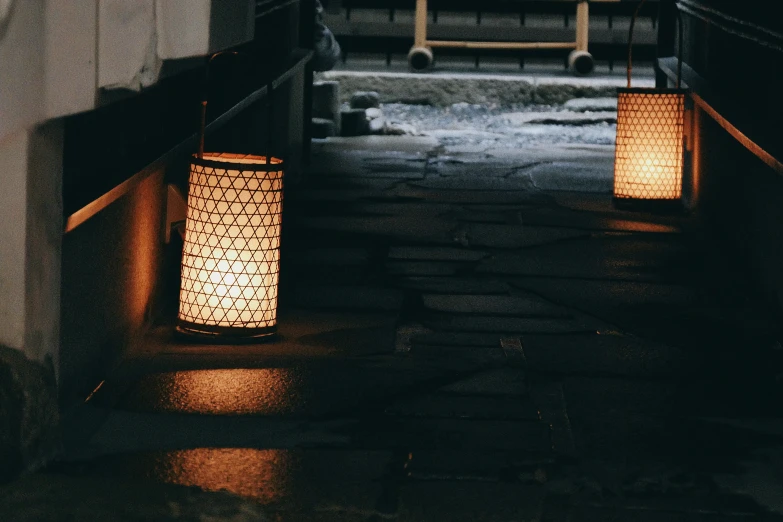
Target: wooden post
420, 37
582, 25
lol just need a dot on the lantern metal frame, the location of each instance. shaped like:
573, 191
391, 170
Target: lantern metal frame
255, 183
650, 118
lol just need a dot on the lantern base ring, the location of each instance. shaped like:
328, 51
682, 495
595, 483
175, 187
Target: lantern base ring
193, 332
654, 206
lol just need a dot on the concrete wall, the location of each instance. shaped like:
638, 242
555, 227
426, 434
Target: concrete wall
30, 245
30, 241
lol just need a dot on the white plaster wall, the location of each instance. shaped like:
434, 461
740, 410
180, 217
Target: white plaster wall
43, 249
134, 37
180, 25
13, 171
31, 225
127, 56
21, 66
71, 29
56, 54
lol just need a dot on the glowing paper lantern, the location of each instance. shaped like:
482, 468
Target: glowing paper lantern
231, 253
649, 152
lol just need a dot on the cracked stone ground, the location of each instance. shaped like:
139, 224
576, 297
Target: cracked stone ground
465, 334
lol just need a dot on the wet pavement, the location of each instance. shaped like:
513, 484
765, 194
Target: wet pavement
466, 333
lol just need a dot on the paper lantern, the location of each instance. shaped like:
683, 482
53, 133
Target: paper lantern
649, 151
231, 252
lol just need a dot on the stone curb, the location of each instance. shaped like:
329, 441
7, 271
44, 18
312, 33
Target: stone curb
448, 89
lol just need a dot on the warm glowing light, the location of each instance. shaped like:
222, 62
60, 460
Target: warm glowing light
231, 254
262, 475
649, 150
225, 391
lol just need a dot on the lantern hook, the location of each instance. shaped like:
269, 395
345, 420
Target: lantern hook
203, 127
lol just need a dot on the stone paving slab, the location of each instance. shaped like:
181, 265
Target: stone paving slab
498, 381
447, 406
516, 236
490, 197
499, 305
475, 356
590, 221
549, 398
562, 118
391, 208
57, 497
469, 501
602, 355
299, 324
426, 227
331, 256
591, 104
479, 167
474, 465
377, 173
436, 253
423, 268
455, 338
347, 297
609, 396
556, 176
508, 324
524, 156
525, 438
455, 285
323, 196
311, 388
383, 144
603, 514
473, 215
473, 182
631, 259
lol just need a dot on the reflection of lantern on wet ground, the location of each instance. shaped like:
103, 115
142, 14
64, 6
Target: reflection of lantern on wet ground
263, 475
649, 149
231, 253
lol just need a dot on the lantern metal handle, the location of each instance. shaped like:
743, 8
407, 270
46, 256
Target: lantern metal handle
630, 43
203, 127
203, 123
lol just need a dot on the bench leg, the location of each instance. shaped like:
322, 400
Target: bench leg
420, 56
580, 60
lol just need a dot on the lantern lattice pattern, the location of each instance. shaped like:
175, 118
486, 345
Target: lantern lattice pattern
649, 151
231, 253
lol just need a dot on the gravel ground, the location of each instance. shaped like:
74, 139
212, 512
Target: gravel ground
477, 124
